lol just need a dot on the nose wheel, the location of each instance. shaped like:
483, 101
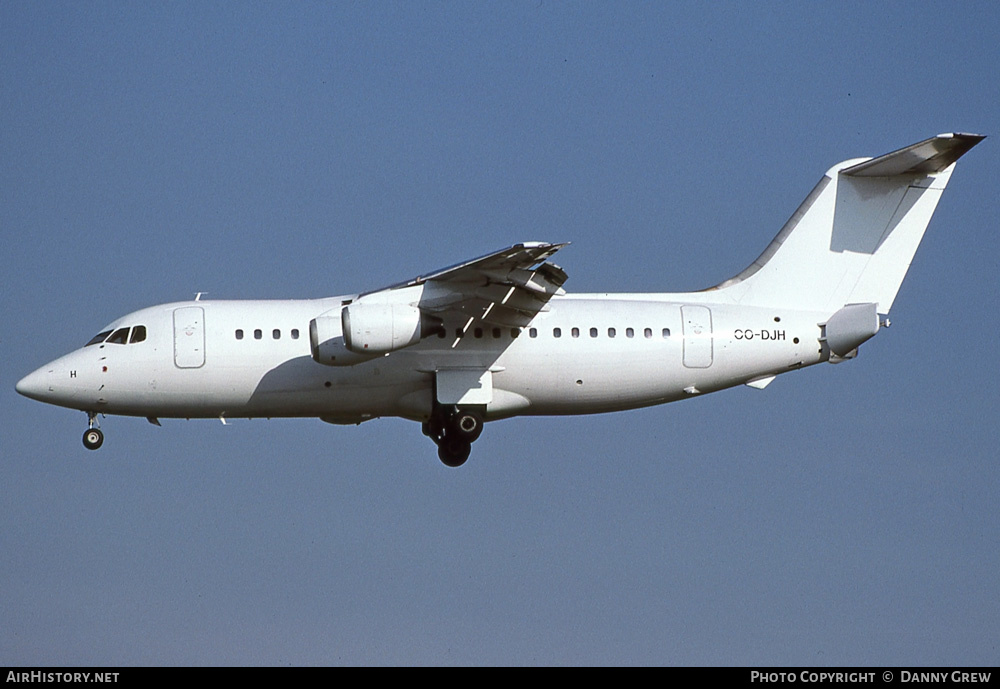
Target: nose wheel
93, 437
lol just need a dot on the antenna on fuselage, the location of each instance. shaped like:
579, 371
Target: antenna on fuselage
197, 297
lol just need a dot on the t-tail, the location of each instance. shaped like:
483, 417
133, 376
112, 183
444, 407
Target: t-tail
853, 238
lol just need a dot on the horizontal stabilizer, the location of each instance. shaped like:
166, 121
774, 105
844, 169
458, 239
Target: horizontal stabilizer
924, 158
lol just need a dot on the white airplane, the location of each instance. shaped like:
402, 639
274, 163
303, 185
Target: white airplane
497, 336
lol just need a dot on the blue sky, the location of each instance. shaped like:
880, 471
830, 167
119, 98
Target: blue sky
845, 515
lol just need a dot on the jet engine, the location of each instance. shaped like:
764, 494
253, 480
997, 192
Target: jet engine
328, 346
380, 328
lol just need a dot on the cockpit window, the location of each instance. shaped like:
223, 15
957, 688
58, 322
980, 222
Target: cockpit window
98, 338
119, 336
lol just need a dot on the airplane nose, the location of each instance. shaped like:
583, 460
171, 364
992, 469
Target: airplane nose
34, 385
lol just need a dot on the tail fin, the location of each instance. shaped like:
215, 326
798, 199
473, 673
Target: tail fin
853, 238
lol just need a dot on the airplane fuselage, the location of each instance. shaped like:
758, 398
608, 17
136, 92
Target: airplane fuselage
587, 353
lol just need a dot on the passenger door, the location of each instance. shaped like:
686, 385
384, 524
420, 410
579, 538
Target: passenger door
697, 336
189, 337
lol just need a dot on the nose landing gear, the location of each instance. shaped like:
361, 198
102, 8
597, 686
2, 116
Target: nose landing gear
93, 437
454, 430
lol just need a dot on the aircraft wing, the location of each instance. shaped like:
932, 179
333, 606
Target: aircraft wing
505, 288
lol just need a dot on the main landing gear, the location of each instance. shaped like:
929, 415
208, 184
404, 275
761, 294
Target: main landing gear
454, 430
93, 438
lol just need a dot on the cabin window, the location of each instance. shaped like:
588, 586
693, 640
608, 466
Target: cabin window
276, 334
556, 332
295, 333
515, 333
239, 333
496, 333
576, 332
647, 333
98, 338
257, 334
478, 332
629, 332
533, 332
666, 333
593, 332
138, 334
611, 332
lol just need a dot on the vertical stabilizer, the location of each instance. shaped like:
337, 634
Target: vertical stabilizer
853, 238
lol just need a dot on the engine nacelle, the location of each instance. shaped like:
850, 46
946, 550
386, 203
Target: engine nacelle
328, 346
380, 328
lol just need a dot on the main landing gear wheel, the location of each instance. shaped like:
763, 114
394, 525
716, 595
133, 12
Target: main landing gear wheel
466, 424
93, 438
453, 451
433, 428
454, 431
